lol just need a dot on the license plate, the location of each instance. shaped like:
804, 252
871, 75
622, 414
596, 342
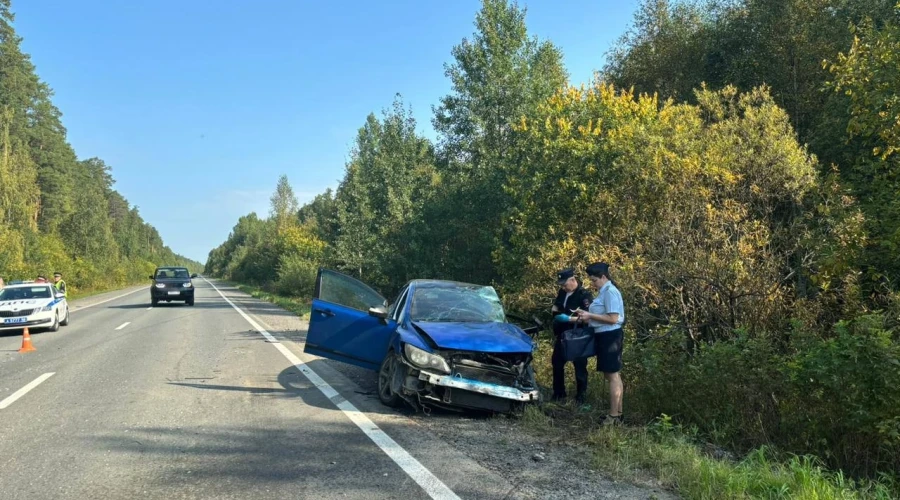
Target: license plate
15, 320
174, 293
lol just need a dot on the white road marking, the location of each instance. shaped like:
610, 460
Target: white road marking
151, 307
108, 300
412, 467
21, 392
123, 325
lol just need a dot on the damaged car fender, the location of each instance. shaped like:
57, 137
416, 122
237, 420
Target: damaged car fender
405, 336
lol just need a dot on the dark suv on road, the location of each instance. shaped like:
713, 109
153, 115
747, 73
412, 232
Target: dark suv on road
172, 283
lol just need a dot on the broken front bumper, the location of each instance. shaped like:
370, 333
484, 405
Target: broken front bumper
498, 391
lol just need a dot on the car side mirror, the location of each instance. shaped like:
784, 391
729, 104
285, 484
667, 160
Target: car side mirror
379, 312
193, 275
151, 276
60, 295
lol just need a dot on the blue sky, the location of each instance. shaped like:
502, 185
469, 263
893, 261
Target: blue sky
226, 95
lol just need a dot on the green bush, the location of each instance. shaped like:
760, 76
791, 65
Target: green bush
296, 276
835, 397
842, 397
725, 389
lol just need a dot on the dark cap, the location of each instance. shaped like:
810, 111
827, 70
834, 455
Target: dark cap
57, 274
598, 269
564, 275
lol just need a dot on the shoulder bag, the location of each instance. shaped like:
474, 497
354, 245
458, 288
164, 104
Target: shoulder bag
578, 343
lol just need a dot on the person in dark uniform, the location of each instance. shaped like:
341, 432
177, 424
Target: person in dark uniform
571, 296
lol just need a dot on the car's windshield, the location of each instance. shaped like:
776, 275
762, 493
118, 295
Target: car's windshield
25, 292
172, 273
458, 303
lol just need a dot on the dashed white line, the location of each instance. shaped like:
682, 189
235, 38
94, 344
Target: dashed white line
412, 467
21, 392
108, 300
123, 325
151, 307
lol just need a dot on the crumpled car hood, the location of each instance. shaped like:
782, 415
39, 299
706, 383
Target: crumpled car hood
479, 337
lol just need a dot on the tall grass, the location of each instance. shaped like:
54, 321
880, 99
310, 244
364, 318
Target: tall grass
299, 306
676, 458
678, 462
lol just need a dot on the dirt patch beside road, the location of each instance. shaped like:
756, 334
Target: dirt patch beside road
545, 468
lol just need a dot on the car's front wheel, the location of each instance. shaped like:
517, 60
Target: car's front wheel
65, 321
389, 371
55, 326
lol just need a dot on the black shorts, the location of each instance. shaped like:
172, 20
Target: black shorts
609, 350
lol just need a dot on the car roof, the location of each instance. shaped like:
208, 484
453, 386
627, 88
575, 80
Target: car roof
442, 284
26, 285
171, 267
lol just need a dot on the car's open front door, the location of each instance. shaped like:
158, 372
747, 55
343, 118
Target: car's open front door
340, 326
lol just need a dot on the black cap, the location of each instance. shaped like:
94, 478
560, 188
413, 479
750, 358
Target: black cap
598, 269
564, 275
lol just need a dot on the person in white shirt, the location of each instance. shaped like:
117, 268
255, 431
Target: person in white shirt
607, 315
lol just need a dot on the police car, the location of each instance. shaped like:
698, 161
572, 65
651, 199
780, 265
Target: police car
35, 305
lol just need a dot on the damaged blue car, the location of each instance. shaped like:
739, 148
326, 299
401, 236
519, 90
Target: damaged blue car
439, 344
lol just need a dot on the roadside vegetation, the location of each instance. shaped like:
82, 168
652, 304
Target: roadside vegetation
297, 305
737, 164
59, 212
681, 460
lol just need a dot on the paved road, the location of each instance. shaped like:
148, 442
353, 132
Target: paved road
195, 402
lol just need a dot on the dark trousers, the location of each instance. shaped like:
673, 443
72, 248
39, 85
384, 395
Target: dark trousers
559, 372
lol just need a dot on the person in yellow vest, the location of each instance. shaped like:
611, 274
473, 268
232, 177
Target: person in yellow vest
60, 284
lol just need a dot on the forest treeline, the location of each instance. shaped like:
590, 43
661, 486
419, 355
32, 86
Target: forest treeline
736, 161
57, 212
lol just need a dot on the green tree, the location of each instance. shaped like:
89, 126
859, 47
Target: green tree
19, 192
667, 50
388, 181
55, 160
88, 232
284, 204
675, 47
868, 77
321, 215
19, 84
869, 74
355, 237
497, 77
721, 248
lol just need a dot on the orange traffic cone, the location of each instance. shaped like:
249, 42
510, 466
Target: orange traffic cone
26, 342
